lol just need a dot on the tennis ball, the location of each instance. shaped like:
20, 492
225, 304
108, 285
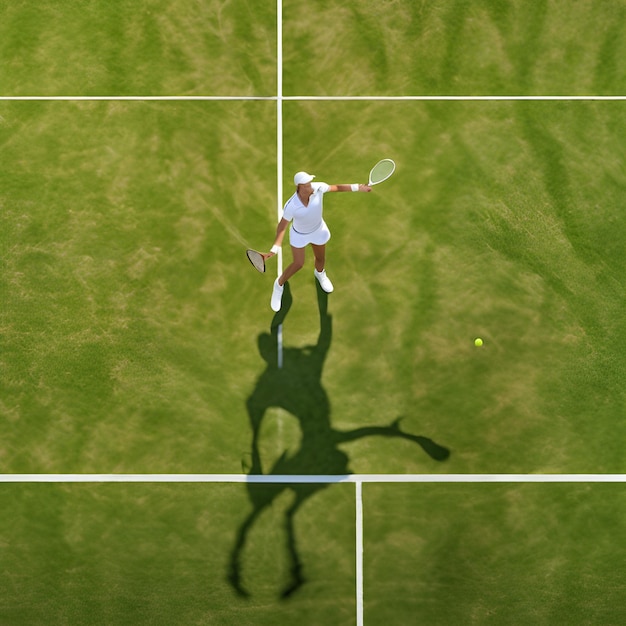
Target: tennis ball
478, 342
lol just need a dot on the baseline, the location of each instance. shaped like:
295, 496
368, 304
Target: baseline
312, 479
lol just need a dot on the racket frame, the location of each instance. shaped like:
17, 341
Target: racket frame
393, 169
259, 267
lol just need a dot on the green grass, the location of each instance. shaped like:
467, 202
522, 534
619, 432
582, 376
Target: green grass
161, 554
136, 337
494, 554
500, 222
144, 47
455, 47
402, 47
131, 317
123, 279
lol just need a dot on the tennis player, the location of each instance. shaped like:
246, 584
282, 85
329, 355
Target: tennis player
304, 209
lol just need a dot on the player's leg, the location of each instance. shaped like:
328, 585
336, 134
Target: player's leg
279, 283
320, 256
294, 266
320, 263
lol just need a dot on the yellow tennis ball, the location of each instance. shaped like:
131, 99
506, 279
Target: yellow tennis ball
478, 342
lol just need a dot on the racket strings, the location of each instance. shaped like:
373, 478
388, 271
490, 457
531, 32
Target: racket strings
382, 170
256, 258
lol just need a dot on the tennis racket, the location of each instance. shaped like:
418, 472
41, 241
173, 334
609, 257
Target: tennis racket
381, 171
257, 260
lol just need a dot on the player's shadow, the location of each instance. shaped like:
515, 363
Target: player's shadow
296, 387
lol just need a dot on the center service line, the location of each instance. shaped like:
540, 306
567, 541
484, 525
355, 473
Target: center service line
279, 154
359, 553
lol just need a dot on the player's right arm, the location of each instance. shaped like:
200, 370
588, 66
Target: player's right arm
278, 241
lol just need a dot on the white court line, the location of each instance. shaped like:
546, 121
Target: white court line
359, 553
312, 478
279, 154
281, 98
448, 98
136, 98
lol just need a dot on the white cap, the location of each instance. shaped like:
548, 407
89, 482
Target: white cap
302, 178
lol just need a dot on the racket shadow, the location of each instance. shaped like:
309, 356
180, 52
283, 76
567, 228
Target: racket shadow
297, 389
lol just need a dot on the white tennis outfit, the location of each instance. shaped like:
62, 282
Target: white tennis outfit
307, 224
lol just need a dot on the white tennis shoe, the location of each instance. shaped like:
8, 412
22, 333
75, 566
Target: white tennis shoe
324, 281
277, 296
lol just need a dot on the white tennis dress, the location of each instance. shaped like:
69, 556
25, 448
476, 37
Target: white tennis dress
307, 222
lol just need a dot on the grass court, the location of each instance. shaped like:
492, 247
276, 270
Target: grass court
137, 339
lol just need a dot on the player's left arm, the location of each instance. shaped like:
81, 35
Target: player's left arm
353, 187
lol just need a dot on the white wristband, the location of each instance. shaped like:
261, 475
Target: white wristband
275, 249
354, 186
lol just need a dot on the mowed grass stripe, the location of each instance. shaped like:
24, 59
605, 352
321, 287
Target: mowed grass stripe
117, 270
498, 553
139, 48
128, 285
473, 238
155, 554
456, 47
